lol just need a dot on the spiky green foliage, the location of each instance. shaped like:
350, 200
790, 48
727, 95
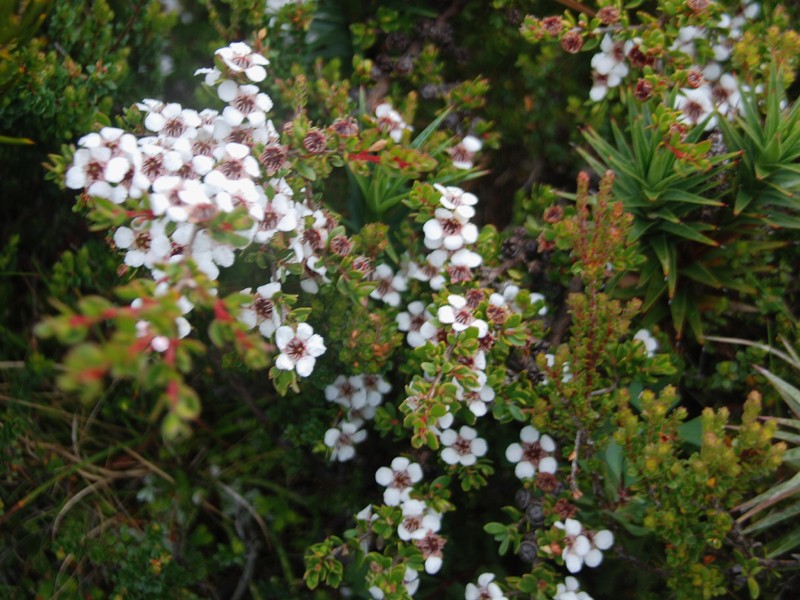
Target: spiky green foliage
783, 499
766, 179
688, 193
667, 183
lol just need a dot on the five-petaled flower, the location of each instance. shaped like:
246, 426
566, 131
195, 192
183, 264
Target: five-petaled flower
533, 455
486, 589
399, 479
458, 314
299, 348
463, 447
240, 58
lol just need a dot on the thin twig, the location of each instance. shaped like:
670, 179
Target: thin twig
573, 484
575, 5
12, 364
72, 502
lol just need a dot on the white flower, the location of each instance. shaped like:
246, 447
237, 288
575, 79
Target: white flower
376, 387
650, 343
508, 297
599, 540
171, 120
464, 259
273, 6
418, 521
235, 162
582, 546
609, 66
431, 547
389, 285
212, 75
239, 57
412, 321
463, 153
390, 121
280, 214
533, 455
459, 315
366, 514
696, 106
485, 590
455, 199
314, 274
145, 246
431, 271
476, 400
726, 96
103, 160
399, 479
244, 101
349, 392
411, 581
262, 312
576, 545
448, 229
342, 440
299, 348
463, 447
569, 590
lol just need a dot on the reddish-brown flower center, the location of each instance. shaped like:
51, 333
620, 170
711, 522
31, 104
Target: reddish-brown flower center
263, 307
295, 349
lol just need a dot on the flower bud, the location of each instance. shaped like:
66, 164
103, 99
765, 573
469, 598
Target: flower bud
528, 550
523, 498
552, 25
697, 6
608, 15
572, 41
535, 514
643, 90
694, 79
315, 142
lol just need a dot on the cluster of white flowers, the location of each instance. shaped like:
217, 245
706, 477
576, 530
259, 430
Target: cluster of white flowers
719, 91
419, 524
714, 91
359, 396
581, 546
196, 166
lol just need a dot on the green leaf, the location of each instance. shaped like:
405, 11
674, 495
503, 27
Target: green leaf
773, 519
614, 457
691, 432
788, 542
426, 133
787, 391
305, 170
689, 232
753, 588
495, 528
772, 496
678, 307
4, 139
